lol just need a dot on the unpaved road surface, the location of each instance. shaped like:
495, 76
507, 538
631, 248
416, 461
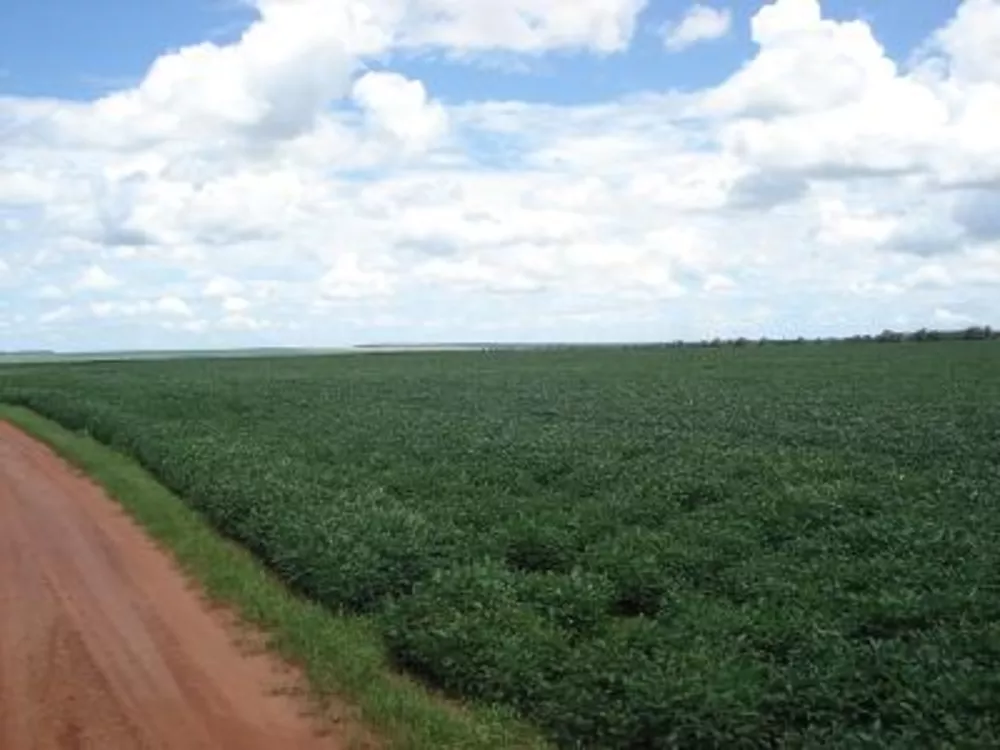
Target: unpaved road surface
102, 644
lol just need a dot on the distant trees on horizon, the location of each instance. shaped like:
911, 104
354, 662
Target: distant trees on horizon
888, 336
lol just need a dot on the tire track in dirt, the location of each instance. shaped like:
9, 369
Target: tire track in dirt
102, 642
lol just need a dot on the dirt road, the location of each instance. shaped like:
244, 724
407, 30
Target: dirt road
102, 644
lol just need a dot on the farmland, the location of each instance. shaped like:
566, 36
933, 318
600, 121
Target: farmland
718, 547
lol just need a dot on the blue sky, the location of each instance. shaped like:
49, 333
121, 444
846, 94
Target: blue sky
324, 172
65, 48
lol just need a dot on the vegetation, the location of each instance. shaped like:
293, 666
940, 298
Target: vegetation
730, 547
340, 657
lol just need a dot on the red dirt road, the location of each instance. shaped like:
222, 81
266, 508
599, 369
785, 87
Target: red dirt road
102, 643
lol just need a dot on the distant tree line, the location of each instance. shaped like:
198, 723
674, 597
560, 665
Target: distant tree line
888, 336
972, 333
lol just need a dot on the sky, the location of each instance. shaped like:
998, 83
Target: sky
230, 173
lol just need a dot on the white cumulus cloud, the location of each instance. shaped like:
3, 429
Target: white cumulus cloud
96, 279
529, 26
700, 23
222, 286
171, 305
400, 108
351, 279
235, 305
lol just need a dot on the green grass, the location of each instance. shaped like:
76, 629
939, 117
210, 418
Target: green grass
342, 658
737, 547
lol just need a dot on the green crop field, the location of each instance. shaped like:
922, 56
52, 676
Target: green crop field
733, 547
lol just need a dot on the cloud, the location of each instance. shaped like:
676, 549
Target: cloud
805, 63
48, 291
525, 26
700, 23
970, 42
841, 225
718, 283
241, 322
235, 305
168, 306
96, 279
767, 190
978, 213
61, 313
297, 57
932, 276
822, 97
171, 305
947, 317
222, 286
196, 326
349, 279
278, 78
399, 107
475, 274
919, 235
22, 189
249, 191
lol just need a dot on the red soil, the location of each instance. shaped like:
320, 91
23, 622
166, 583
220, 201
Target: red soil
102, 642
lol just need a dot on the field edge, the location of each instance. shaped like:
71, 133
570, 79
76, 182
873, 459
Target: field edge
343, 658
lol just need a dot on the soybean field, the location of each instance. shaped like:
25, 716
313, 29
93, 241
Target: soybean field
733, 547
